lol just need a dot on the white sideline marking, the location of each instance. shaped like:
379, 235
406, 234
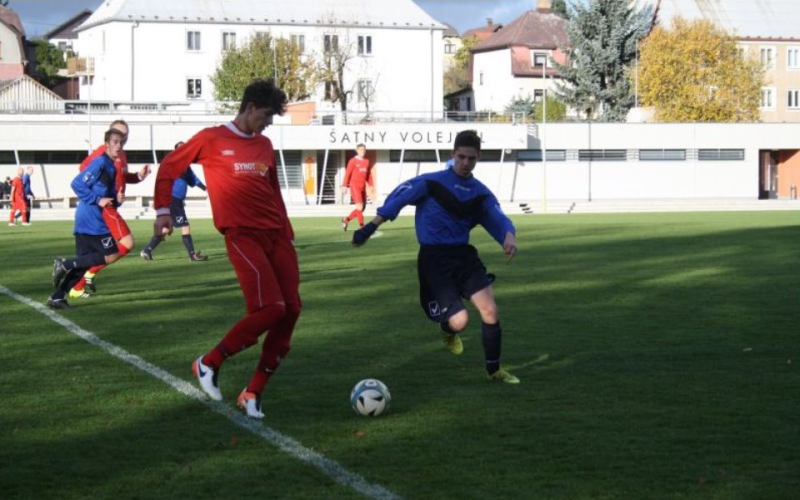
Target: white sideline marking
285, 443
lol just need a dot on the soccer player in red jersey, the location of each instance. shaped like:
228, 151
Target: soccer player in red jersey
247, 207
17, 199
356, 178
116, 224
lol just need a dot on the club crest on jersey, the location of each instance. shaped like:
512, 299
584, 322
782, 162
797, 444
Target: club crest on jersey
254, 168
228, 152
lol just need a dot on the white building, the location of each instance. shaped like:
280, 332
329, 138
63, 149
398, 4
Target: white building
12, 51
515, 61
167, 51
765, 30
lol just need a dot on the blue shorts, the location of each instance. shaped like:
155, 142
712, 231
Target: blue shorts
178, 212
86, 244
448, 274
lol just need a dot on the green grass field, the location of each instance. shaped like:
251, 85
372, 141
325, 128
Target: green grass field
658, 354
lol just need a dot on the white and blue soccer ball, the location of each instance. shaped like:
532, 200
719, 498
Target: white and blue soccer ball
370, 397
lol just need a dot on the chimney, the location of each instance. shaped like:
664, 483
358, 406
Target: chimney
544, 6
488, 21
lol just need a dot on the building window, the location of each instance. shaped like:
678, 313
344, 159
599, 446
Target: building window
299, 41
538, 59
330, 91
194, 88
331, 43
741, 51
481, 78
793, 58
794, 99
768, 57
720, 154
449, 48
662, 155
538, 95
364, 45
228, 40
193, 41
536, 155
602, 155
767, 97
365, 90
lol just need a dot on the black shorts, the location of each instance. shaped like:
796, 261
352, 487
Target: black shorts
86, 244
448, 274
178, 212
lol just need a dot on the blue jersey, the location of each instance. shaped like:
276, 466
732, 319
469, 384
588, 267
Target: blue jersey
95, 182
448, 207
182, 184
26, 185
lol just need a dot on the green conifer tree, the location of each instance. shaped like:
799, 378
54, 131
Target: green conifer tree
603, 38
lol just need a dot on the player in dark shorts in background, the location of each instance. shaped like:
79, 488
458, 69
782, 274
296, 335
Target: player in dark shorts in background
179, 219
114, 220
94, 244
449, 204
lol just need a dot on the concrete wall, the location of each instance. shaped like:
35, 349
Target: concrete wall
512, 179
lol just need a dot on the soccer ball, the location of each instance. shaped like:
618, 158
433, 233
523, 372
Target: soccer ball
370, 397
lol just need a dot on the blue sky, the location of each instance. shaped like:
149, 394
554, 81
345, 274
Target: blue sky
40, 16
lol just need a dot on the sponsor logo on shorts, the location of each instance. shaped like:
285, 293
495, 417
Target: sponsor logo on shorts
433, 308
107, 242
179, 219
254, 168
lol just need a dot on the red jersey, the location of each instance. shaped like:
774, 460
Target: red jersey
18, 190
123, 176
358, 173
241, 177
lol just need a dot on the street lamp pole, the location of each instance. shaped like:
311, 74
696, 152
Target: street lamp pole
544, 123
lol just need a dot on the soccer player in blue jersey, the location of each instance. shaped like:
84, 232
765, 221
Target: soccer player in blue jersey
449, 204
27, 193
94, 245
179, 219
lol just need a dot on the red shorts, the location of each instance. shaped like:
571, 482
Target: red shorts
266, 264
116, 224
358, 194
19, 204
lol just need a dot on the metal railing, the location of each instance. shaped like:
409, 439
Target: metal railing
297, 117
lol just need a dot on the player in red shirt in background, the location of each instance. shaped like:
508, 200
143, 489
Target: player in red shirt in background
17, 199
116, 224
356, 178
247, 207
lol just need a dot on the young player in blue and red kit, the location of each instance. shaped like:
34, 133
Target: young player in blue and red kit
449, 203
116, 224
179, 218
94, 244
242, 182
356, 178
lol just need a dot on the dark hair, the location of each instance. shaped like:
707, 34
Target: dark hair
263, 93
110, 132
468, 139
178, 144
361, 145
